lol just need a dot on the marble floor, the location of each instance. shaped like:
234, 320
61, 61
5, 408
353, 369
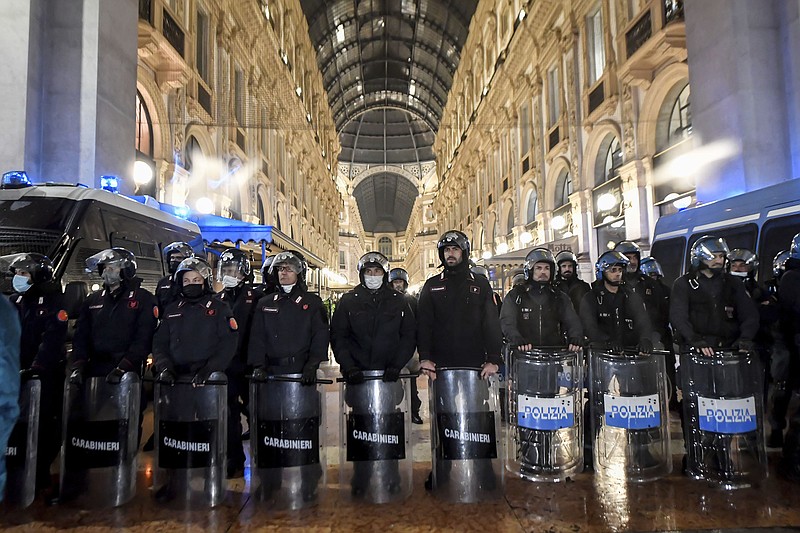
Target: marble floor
582, 504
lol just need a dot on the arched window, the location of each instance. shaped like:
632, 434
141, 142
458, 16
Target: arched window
563, 188
278, 220
533, 206
609, 160
261, 213
144, 128
191, 152
680, 118
385, 246
510, 221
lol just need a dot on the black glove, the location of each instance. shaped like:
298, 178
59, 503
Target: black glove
645, 346
391, 375
76, 375
354, 376
744, 345
699, 344
577, 341
309, 375
259, 374
167, 377
614, 347
115, 376
202, 376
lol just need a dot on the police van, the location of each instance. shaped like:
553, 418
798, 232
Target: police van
763, 221
69, 223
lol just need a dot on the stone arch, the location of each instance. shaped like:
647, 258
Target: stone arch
560, 164
596, 145
666, 85
528, 189
381, 169
508, 213
159, 116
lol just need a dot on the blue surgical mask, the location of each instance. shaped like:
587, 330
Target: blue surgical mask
20, 283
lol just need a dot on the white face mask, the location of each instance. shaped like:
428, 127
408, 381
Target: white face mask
373, 282
288, 288
20, 283
739, 274
111, 278
230, 282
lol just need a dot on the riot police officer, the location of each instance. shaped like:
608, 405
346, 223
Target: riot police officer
166, 291
567, 278
398, 277
114, 331
789, 305
709, 309
780, 359
458, 322
537, 314
233, 272
269, 284
42, 355
613, 316
662, 330
482, 271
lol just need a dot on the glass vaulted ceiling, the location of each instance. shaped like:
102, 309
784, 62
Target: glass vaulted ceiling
387, 66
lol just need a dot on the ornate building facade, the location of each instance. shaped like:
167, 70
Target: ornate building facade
561, 127
232, 117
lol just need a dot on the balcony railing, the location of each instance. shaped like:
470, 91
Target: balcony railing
673, 11
146, 11
596, 97
173, 33
553, 138
639, 33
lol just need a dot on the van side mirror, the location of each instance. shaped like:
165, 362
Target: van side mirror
74, 295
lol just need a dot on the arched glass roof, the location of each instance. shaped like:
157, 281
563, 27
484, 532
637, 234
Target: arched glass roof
385, 201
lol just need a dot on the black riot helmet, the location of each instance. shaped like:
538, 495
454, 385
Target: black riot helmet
479, 270
233, 257
398, 273
629, 247
539, 255
651, 267
194, 264
779, 263
37, 265
704, 249
566, 255
370, 259
794, 250
265, 266
174, 253
747, 257
454, 238
608, 260
119, 257
293, 260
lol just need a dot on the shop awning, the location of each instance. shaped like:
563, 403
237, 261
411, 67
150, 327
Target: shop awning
516, 258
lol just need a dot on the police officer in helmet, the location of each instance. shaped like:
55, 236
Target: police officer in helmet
269, 284
780, 358
566, 278
398, 277
789, 305
174, 253
651, 268
372, 328
39, 302
234, 273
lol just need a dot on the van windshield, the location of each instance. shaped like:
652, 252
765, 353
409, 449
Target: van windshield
47, 214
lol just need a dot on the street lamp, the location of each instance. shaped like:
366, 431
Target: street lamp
142, 172
205, 205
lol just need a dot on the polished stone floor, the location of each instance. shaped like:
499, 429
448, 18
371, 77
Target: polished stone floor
584, 504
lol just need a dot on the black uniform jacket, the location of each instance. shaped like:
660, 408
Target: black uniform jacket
373, 330
243, 302
194, 334
575, 288
614, 319
44, 327
458, 322
115, 329
714, 310
789, 303
289, 332
166, 293
541, 315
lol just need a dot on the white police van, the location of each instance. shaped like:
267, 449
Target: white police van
763, 221
69, 223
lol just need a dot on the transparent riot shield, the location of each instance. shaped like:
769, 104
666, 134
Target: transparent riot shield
545, 441
630, 422
190, 436
465, 425
287, 441
21, 450
375, 462
724, 410
100, 441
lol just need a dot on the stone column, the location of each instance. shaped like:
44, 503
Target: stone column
738, 82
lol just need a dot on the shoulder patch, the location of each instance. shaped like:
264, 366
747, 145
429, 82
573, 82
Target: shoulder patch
211, 312
475, 289
232, 323
155, 311
133, 304
62, 316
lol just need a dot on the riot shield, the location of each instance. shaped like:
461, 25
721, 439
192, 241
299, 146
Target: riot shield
465, 424
100, 441
190, 435
630, 422
375, 457
723, 405
545, 442
21, 450
287, 441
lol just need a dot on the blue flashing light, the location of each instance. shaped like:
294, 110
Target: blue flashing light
182, 211
109, 183
16, 179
